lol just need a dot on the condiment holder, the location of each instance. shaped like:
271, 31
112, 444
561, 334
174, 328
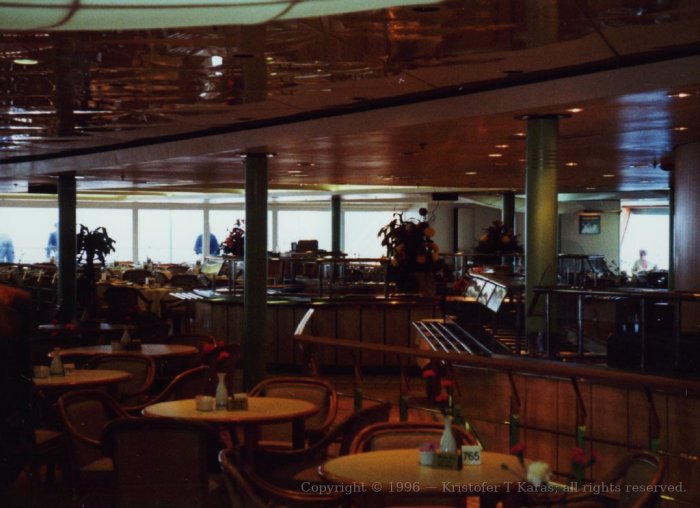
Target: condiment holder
238, 401
204, 402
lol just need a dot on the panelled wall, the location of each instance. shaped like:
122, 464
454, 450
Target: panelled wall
617, 422
381, 322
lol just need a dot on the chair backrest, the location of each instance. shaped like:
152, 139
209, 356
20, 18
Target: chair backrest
161, 462
121, 302
186, 281
85, 413
247, 489
317, 391
141, 367
394, 435
136, 275
360, 420
639, 469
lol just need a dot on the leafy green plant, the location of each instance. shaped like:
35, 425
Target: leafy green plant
93, 244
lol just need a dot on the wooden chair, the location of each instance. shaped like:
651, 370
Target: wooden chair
643, 470
123, 302
136, 275
164, 463
186, 385
319, 392
141, 367
291, 468
248, 489
85, 414
395, 435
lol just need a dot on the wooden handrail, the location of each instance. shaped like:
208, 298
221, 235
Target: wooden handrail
521, 365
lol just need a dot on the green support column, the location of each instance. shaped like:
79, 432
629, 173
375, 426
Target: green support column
336, 236
255, 271
508, 210
67, 287
541, 212
336, 230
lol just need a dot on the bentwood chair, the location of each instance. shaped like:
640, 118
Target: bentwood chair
319, 392
186, 385
85, 414
164, 463
247, 489
141, 367
397, 435
291, 468
643, 470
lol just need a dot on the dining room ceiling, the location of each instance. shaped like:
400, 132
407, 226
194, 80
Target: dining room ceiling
418, 98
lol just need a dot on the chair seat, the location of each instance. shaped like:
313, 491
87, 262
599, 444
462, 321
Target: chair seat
102, 465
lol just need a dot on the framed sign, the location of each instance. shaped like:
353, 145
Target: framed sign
589, 225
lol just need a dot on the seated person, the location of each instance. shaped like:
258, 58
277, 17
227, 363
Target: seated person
642, 264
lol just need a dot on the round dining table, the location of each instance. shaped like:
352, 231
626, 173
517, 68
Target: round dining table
376, 474
81, 378
260, 411
156, 351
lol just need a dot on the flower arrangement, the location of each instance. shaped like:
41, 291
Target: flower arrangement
498, 238
410, 242
580, 460
234, 242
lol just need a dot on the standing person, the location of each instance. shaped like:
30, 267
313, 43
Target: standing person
52, 244
213, 245
642, 264
7, 249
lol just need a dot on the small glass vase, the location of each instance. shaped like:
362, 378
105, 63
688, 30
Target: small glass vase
448, 444
221, 391
56, 368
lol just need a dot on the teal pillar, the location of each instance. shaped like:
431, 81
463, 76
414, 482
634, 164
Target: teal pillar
508, 210
541, 212
336, 226
255, 271
67, 246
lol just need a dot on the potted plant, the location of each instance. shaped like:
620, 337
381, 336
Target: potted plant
91, 245
412, 253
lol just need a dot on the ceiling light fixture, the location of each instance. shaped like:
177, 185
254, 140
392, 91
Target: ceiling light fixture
501, 146
495, 155
25, 61
571, 164
679, 95
608, 175
574, 110
680, 128
471, 173
50, 15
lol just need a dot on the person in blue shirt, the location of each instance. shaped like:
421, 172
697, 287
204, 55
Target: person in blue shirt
52, 244
213, 245
7, 249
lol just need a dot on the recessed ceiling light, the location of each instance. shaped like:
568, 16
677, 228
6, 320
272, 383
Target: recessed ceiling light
25, 61
680, 128
679, 95
495, 155
471, 173
306, 164
608, 175
571, 164
590, 188
501, 146
574, 110
518, 135
295, 172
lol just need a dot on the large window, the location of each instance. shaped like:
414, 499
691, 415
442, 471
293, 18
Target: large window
648, 229
29, 230
360, 234
117, 222
295, 225
168, 236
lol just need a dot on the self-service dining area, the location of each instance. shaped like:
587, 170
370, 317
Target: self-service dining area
347, 415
